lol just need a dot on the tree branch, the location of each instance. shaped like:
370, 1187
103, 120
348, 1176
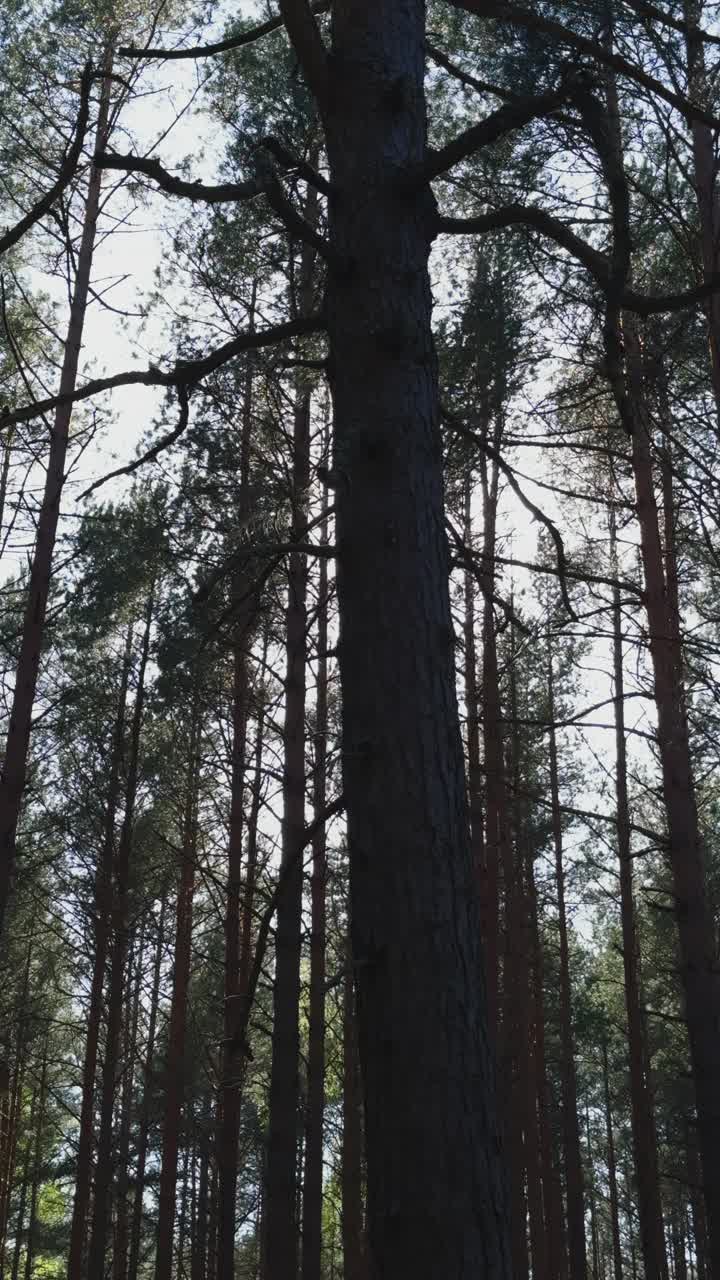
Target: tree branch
67, 168
534, 21
185, 373
220, 46
167, 181
499, 123
154, 451
307, 42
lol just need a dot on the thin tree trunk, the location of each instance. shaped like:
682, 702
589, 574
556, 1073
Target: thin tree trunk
705, 171
176, 1067
641, 1101
25, 1185
122, 1232
281, 1225
16, 1101
144, 1120
14, 772
118, 954
315, 1106
37, 1164
571, 1128
696, 1202
199, 1247
496, 826
233, 1052
102, 925
472, 701
612, 1173
351, 1171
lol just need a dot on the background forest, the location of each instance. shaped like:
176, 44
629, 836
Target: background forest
271, 552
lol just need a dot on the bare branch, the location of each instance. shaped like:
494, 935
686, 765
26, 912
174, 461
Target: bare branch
499, 123
224, 192
534, 21
67, 168
220, 46
185, 373
154, 451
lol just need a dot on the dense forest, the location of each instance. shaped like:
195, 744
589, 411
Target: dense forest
360, 640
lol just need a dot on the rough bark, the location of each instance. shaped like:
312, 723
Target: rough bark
436, 1196
14, 772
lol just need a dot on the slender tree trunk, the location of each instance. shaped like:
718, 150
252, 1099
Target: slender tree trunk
472, 702
697, 934
612, 1173
14, 772
16, 1102
199, 1247
571, 1129
315, 1108
122, 1225
705, 172
696, 1202
37, 1164
281, 1225
176, 1067
641, 1100
552, 1189
496, 827
233, 1052
351, 1170
144, 1120
118, 955
102, 926
25, 1185
8, 435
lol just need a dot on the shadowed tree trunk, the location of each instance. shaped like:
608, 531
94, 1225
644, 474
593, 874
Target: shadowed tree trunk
281, 1194
118, 956
175, 1068
315, 1105
38, 1133
355, 1265
102, 926
144, 1119
436, 1196
641, 1101
14, 771
568, 1076
612, 1172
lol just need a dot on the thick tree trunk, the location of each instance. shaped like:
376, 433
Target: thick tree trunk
437, 1201
118, 956
175, 1068
14, 770
568, 1076
641, 1100
315, 1105
102, 924
355, 1263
